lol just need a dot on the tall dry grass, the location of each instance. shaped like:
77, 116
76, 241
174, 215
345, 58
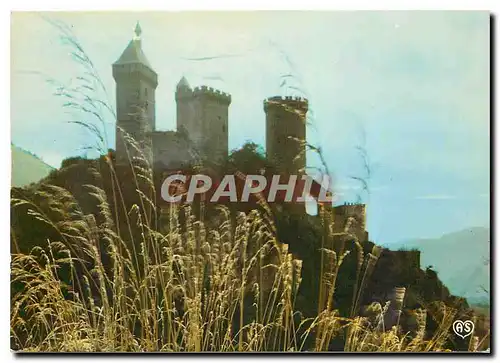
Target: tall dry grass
189, 289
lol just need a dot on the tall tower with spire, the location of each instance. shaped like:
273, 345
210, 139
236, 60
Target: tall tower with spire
136, 83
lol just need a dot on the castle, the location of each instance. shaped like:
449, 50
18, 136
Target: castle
202, 119
201, 135
202, 125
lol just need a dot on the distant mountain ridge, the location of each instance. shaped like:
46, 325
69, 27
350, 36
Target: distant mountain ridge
27, 168
462, 260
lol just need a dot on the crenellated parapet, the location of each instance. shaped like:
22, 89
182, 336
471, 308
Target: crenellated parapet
344, 213
351, 209
212, 94
288, 103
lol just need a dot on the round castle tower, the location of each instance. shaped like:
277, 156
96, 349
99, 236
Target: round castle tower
286, 133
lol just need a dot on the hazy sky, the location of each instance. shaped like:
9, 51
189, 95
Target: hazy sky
412, 88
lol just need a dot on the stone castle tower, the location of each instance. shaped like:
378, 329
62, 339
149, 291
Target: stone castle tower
285, 133
136, 82
203, 114
355, 214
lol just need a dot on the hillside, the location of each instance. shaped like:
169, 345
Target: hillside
26, 167
461, 260
303, 235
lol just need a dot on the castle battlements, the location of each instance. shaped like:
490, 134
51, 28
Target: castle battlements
350, 208
358, 211
212, 93
287, 102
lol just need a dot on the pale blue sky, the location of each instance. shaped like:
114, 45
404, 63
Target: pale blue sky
416, 84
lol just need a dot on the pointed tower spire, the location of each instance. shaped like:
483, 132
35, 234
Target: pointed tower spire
133, 53
183, 84
137, 31
136, 83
